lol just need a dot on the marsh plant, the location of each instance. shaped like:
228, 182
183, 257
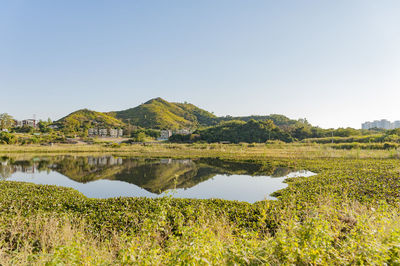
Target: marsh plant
346, 214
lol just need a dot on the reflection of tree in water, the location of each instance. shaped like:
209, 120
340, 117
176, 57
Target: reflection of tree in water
239, 167
154, 175
5, 171
281, 171
4, 159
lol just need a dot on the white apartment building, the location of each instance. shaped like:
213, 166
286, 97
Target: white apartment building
383, 124
104, 132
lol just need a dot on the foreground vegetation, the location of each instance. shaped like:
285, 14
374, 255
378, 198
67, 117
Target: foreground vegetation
347, 214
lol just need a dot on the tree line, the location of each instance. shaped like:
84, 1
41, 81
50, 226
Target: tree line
259, 131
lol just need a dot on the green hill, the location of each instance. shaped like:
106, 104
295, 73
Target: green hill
203, 117
83, 119
161, 114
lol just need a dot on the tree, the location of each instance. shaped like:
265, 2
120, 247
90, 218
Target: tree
7, 138
44, 126
240, 131
71, 125
6, 121
140, 137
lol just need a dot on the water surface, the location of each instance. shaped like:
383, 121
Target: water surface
108, 176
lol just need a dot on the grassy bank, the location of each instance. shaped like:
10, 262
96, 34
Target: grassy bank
227, 151
347, 214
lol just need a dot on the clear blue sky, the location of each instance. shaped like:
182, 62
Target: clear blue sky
337, 63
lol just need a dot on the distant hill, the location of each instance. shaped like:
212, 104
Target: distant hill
85, 118
161, 114
158, 113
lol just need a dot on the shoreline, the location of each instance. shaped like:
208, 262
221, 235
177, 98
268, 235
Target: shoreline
225, 151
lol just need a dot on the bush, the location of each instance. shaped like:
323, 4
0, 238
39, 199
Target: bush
140, 135
7, 138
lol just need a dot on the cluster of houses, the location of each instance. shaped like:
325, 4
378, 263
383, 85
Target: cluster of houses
22, 123
105, 132
115, 133
166, 134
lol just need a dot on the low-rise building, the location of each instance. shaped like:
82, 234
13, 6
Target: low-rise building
115, 133
165, 134
183, 132
93, 132
26, 122
104, 132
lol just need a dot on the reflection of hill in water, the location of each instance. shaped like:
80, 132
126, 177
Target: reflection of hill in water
155, 176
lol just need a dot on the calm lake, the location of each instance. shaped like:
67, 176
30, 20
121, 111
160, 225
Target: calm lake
109, 176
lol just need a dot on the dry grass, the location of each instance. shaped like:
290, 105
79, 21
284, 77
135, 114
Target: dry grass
46, 238
353, 234
232, 151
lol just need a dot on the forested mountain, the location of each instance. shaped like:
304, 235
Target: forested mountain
161, 114
158, 113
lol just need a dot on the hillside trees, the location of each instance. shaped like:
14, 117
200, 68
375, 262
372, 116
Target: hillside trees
160, 114
141, 135
240, 131
44, 126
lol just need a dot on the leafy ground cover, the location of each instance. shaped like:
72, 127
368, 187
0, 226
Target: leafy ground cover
347, 214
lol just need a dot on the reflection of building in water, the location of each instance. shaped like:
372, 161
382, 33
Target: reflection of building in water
104, 160
24, 169
186, 161
168, 161
28, 169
